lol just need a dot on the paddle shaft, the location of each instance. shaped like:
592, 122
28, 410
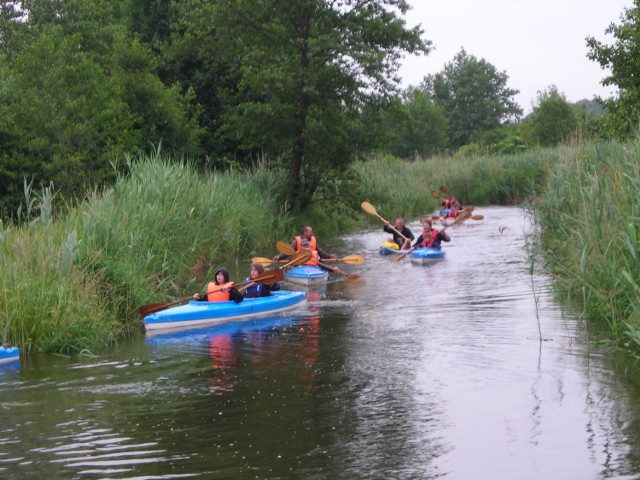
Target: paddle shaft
272, 276
367, 207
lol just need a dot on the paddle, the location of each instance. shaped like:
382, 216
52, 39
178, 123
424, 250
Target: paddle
349, 259
350, 276
367, 207
445, 190
286, 249
435, 195
464, 214
271, 276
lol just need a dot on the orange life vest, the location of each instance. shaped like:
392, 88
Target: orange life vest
313, 246
215, 293
429, 244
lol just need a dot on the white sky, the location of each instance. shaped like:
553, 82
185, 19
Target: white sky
537, 43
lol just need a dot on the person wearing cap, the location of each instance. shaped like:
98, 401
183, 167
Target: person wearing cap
221, 290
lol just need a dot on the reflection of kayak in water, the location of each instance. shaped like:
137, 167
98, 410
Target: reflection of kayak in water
427, 256
209, 313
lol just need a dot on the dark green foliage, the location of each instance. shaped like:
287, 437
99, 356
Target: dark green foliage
414, 126
622, 63
553, 119
473, 96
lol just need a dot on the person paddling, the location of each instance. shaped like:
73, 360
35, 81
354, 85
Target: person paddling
430, 237
400, 231
257, 289
306, 241
222, 290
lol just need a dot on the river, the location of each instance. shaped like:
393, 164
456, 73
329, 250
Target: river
465, 369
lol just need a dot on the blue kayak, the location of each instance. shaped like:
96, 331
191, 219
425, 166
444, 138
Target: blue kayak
197, 313
9, 354
427, 256
307, 275
391, 251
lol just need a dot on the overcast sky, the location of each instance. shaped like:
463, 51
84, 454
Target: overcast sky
536, 42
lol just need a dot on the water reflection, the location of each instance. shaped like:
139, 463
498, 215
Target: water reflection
464, 369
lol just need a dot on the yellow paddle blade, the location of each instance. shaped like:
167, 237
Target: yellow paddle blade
264, 261
285, 248
367, 207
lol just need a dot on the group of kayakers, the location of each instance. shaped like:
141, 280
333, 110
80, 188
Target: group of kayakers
402, 236
223, 289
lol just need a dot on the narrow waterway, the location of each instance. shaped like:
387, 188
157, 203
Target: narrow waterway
465, 369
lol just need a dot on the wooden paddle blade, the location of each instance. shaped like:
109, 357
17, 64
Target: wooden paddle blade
367, 207
435, 195
353, 276
270, 276
353, 259
303, 256
152, 308
264, 261
444, 190
477, 217
285, 248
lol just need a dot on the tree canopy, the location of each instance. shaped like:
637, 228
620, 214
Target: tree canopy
622, 61
474, 96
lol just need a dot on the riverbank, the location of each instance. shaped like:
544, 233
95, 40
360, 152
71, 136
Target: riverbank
73, 284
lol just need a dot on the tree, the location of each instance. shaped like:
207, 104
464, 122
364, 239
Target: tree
306, 69
553, 119
414, 126
474, 97
623, 62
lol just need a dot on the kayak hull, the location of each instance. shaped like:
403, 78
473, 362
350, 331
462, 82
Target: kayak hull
197, 313
391, 251
427, 256
9, 354
307, 275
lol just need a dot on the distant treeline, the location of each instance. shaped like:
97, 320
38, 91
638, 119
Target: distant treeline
308, 85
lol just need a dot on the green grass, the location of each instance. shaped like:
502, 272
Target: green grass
73, 283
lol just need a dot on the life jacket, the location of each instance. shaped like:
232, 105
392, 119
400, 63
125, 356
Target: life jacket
215, 293
446, 203
312, 245
431, 242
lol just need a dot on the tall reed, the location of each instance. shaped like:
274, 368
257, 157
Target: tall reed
589, 212
74, 284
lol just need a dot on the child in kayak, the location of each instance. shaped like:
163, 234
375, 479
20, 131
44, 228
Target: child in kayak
222, 290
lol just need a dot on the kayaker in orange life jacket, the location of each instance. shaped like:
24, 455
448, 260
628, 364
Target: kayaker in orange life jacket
222, 290
430, 237
307, 241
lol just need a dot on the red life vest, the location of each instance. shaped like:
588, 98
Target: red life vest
434, 235
215, 293
313, 246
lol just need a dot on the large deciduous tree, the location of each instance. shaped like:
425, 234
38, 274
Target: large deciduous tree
306, 68
414, 126
553, 119
622, 61
474, 97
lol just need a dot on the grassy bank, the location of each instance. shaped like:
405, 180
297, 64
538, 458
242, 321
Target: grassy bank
74, 283
589, 212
